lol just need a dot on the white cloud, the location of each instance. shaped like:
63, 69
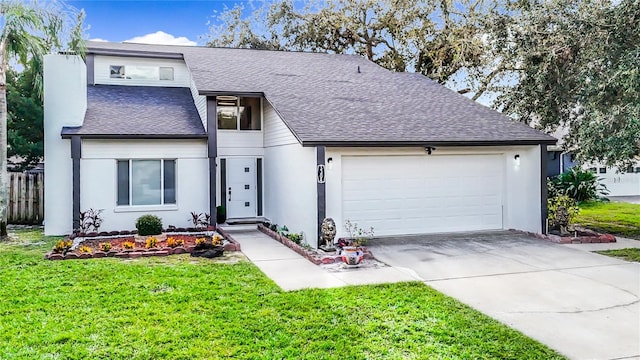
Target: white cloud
162, 38
99, 40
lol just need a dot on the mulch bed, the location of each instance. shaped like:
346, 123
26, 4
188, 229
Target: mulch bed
117, 249
579, 236
315, 256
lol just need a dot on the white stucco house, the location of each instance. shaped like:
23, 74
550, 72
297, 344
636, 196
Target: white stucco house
290, 137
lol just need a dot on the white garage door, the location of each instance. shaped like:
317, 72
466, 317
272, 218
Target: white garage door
423, 194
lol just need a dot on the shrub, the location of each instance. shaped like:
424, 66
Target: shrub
216, 240
580, 185
62, 246
284, 230
149, 225
151, 242
221, 214
200, 219
84, 249
358, 235
558, 201
105, 246
90, 220
296, 238
128, 245
201, 241
172, 242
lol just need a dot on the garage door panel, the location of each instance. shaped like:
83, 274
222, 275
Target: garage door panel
422, 194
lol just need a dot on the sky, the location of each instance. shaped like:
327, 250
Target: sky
177, 22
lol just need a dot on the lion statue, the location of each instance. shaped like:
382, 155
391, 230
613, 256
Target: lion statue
328, 232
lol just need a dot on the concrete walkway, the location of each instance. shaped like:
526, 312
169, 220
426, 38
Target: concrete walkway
291, 271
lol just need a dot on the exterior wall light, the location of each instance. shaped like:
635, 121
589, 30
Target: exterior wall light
330, 163
517, 159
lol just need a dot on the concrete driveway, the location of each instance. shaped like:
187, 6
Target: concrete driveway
584, 305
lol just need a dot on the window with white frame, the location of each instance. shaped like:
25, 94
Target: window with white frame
146, 182
139, 72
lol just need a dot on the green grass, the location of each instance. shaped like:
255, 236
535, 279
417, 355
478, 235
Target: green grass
618, 218
632, 254
184, 308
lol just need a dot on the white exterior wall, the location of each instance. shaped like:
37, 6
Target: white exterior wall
65, 103
98, 173
521, 195
276, 133
200, 102
289, 178
102, 63
290, 188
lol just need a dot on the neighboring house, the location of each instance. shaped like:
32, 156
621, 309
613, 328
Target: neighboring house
291, 137
618, 183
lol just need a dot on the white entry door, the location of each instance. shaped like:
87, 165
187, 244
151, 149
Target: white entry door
423, 194
241, 187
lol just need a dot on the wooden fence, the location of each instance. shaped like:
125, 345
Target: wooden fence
26, 198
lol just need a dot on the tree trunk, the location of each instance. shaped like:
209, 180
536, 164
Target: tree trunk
4, 189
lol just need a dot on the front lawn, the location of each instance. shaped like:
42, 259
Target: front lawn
618, 218
632, 254
185, 308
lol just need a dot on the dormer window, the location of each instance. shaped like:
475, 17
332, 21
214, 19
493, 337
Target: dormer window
137, 72
238, 113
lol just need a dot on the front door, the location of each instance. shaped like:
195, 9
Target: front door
241, 187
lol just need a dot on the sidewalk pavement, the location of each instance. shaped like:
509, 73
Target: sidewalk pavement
621, 243
291, 271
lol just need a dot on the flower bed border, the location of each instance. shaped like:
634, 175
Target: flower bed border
231, 245
592, 238
309, 254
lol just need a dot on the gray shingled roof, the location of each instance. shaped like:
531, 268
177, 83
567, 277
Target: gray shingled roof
323, 98
139, 111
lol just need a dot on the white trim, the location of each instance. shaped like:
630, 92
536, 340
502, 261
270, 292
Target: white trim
141, 208
118, 208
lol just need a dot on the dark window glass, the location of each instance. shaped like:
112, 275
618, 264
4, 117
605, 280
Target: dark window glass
123, 182
116, 71
638, 170
169, 181
227, 109
603, 170
249, 113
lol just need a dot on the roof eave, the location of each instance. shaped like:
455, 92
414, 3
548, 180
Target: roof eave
135, 53
134, 136
230, 93
428, 143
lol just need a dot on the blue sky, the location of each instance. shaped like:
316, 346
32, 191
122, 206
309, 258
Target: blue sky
116, 20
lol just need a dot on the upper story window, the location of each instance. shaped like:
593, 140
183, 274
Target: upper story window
238, 113
136, 72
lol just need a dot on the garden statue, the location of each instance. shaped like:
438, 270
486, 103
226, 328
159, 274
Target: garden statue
562, 219
328, 231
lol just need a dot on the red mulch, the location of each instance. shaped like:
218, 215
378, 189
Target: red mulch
116, 244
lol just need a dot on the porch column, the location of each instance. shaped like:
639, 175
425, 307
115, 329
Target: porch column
321, 190
212, 151
76, 154
543, 187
